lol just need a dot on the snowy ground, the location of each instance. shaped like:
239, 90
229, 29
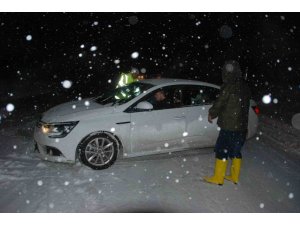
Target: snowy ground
270, 178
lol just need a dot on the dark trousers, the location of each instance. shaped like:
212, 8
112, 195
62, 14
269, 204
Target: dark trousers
229, 144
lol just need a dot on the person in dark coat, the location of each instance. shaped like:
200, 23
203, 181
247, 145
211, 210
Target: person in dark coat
231, 108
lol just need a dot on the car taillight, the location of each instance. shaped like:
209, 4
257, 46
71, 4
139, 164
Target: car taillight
256, 109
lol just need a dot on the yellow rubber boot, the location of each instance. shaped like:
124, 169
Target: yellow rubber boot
234, 170
220, 170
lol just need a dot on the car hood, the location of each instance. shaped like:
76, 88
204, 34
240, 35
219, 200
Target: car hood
75, 110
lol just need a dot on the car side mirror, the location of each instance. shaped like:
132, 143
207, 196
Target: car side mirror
144, 106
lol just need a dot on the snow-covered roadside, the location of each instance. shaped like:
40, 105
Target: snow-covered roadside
280, 135
163, 183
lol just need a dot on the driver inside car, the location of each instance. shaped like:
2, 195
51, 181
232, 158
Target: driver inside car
160, 101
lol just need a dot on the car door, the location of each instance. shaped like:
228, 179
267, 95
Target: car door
197, 101
158, 130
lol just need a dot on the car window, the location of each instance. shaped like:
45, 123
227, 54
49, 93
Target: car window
172, 98
123, 94
194, 95
161, 98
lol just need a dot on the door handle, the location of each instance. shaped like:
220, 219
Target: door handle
179, 117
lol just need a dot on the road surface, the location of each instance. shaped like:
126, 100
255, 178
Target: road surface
269, 182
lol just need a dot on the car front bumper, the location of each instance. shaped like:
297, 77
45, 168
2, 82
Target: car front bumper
55, 149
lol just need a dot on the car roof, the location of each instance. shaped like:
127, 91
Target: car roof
170, 81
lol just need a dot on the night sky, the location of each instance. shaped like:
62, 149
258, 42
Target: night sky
179, 45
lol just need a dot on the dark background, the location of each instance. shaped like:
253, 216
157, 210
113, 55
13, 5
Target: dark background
176, 45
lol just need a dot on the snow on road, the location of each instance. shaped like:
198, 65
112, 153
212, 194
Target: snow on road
270, 181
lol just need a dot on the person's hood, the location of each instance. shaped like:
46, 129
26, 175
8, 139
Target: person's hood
231, 72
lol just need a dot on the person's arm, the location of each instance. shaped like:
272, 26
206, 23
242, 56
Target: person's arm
218, 104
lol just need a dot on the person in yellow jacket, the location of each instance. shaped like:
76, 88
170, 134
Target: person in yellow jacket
127, 78
231, 108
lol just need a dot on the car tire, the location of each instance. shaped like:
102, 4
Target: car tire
98, 151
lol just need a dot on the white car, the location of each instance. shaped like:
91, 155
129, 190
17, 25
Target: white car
125, 122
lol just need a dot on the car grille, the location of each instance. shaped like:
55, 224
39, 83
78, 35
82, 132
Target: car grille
47, 150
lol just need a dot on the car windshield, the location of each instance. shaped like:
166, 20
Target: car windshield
123, 94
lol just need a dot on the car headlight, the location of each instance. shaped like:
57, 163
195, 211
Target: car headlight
58, 130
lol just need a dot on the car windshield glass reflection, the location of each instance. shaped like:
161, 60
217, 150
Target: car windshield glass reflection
122, 95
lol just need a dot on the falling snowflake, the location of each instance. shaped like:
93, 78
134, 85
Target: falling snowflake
143, 70
40, 183
80, 55
27, 201
10, 107
166, 145
291, 195
134, 70
184, 134
113, 129
275, 100
87, 103
135, 55
66, 84
261, 205
66, 183
226, 32
117, 61
290, 68
29, 37
15, 147
133, 20
73, 106
93, 48
82, 46
51, 205
266, 99
296, 121
177, 180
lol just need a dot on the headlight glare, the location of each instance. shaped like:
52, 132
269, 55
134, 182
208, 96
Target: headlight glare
58, 130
